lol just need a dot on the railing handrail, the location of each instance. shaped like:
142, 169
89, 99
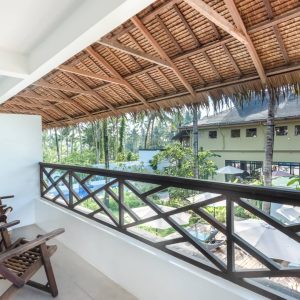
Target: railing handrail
278, 194
126, 220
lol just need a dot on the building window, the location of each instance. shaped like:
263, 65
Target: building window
281, 130
251, 132
212, 134
235, 133
297, 130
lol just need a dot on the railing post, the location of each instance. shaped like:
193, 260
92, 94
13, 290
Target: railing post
121, 201
70, 187
230, 232
41, 178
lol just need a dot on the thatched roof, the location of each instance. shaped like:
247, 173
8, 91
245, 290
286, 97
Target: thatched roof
173, 53
252, 112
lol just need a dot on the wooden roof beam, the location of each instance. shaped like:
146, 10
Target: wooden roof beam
168, 33
208, 12
93, 93
249, 45
88, 74
186, 25
276, 31
102, 61
52, 86
234, 64
191, 65
130, 51
45, 98
207, 58
256, 28
137, 22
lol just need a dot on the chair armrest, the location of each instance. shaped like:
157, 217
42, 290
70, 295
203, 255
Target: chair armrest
6, 197
30, 245
10, 224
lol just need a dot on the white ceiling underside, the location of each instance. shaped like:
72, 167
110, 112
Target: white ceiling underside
36, 36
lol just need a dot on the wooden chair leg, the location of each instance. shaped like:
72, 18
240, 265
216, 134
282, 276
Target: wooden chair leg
49, 271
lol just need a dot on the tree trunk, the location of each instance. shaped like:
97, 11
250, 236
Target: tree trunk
195, 141
80, 139
147, 132
269, 146
106, 157
98, 136
57, 145
121, 135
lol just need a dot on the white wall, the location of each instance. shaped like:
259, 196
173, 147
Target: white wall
20, 153
147, 273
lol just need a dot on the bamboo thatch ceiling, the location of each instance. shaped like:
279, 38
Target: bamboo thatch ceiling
174, 52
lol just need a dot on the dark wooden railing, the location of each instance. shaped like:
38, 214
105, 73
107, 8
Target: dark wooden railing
136, 204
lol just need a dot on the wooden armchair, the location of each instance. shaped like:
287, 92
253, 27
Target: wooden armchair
23, 259
5, 241
4, 209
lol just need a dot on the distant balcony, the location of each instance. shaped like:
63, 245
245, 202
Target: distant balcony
217, 227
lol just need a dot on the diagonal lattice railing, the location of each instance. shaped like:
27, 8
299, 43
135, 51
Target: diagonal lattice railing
168, 213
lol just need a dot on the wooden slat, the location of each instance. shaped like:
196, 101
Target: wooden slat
118, 46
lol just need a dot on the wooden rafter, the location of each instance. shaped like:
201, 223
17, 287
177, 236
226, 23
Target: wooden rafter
207, 88
88, 74
186, 25
44, 98
208, 12
276, 31
211, 64
249, 45
58, 87
52, 106
238, 30
195, 71
168, 33
102, 61
234, 64
276, 20
136, 21
95, 94
128, 50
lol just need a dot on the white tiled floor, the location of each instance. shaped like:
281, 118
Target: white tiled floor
76, 279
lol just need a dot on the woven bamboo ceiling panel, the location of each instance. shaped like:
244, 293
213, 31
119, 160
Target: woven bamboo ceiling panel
173, 53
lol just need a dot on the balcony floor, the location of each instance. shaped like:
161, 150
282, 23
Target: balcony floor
75, 278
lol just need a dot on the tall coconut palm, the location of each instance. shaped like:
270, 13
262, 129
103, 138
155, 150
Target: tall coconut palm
269, 145
195, 141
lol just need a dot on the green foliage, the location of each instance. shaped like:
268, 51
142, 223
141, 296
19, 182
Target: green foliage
180, 162
295, 180
127, 156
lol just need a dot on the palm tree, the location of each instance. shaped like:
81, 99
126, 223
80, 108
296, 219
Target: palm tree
195, 141
269, 145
